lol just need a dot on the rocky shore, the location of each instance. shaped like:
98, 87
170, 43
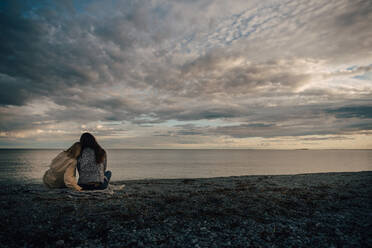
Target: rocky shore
307, 210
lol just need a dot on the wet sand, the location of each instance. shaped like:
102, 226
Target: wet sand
306, 210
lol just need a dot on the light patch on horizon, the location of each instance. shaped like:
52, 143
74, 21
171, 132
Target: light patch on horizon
177, 74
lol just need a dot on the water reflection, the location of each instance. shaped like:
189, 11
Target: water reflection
30, 165
24, 165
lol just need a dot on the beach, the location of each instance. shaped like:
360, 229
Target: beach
304, 210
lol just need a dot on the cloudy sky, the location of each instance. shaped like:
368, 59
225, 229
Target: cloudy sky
187, 74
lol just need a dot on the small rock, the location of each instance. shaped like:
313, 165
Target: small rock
140, 244
338, 232
60, 243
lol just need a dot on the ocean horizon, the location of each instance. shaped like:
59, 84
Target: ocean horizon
22, 165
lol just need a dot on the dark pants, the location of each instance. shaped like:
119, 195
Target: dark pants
99, 186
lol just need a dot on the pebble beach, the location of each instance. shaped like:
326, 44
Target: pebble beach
304, 210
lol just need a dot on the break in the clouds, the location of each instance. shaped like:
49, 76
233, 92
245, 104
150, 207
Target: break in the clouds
192, 74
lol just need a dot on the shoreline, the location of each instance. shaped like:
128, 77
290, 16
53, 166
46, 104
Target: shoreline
300, 210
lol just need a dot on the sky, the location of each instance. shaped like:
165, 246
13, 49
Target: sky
259, 74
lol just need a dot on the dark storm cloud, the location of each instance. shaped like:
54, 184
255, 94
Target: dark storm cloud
12, 91
195, 114
363, 112
285, 129
289, 121
365, 126
326, 138
15, 75
46, 52
148, 62
51, 51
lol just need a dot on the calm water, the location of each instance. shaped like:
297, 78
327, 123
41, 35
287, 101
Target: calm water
29, 165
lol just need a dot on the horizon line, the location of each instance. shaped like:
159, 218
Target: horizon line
149, 148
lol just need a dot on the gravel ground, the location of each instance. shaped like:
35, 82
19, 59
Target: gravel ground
307, 210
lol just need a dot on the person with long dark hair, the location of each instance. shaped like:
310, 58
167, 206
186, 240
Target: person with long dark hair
92, 164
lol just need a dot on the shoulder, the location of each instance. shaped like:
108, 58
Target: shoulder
61, 156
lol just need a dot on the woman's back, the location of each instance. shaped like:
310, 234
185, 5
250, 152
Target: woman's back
53, 177
62, 171
89, 170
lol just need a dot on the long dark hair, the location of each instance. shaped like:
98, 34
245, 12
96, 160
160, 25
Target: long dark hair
88, 140
74, 150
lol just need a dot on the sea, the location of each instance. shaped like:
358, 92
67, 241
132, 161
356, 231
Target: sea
23, 166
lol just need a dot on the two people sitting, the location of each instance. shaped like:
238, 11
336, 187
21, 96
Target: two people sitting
88, 157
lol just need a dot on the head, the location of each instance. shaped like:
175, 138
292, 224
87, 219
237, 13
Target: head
88, 140
74, 150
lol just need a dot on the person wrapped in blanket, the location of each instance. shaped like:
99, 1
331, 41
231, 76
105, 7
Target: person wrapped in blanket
62, 169
92, 164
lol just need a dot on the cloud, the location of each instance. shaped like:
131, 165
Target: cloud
265, 69
11, 94
327, 138
220, 74
363, 112
299, 121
